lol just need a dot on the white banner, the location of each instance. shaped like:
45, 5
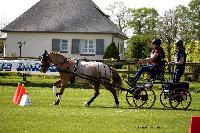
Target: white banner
25, 66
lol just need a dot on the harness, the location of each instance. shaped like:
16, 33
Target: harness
102, 80
74, 72
84, 76
75, 69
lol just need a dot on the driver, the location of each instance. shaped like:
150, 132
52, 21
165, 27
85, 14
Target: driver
155, 61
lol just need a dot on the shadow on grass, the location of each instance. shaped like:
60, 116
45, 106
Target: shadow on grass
159, 108
154, 108
33, 84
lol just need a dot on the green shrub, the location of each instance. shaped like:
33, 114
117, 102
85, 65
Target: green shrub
112, 52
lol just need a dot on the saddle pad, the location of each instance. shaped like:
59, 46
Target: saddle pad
93, 69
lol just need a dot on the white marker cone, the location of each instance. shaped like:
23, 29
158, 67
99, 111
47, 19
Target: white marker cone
25, 100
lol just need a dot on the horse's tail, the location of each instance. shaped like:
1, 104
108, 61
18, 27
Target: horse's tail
116, 80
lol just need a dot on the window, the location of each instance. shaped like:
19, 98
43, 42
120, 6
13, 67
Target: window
87, 46
63, 45
60, 45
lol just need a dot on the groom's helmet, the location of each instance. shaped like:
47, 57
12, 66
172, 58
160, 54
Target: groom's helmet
157, 42
179, 43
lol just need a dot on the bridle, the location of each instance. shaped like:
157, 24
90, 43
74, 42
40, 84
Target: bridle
47, 62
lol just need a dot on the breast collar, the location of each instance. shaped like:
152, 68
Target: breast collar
76, 65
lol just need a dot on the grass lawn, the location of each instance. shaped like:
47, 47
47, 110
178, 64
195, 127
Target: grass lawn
71, 117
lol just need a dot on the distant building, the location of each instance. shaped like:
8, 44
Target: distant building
75, 28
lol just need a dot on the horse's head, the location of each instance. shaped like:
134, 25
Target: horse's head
46, 62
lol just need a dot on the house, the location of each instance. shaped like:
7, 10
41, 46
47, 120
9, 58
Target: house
75, 28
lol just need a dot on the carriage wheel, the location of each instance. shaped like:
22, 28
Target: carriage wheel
164, 99
129, 98
151, 98
180, 98
140, 97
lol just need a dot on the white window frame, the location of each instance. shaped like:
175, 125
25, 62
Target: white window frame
61, 45
85, 46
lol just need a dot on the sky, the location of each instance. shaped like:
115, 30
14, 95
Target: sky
11, 9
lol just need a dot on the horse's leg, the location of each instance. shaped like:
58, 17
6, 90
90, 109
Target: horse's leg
113, 91
58, 95
96, 93
56, 85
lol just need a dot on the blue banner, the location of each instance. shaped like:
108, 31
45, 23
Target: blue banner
28, 66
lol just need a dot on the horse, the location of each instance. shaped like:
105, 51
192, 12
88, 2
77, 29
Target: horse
80, 71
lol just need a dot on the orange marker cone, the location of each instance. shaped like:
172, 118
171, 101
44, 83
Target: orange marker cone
16, 93
194, 124
22, 91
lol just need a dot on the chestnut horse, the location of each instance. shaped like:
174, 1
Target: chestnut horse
80, 71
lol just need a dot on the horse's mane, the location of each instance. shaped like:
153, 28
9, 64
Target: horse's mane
56, 53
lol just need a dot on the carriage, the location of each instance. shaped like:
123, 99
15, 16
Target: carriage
140, 95
174, 95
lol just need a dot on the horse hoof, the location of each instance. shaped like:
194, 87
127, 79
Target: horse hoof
57, 94
116, 105
85, 104
56, 103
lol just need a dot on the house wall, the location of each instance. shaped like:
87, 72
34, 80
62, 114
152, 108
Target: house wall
36, 43
120, 45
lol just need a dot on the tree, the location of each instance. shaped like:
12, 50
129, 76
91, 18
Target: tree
184, 29
3, 23
120, 15
111, 52
144, 20
193, 50
194, 7
181, 23
168, 28
144, 24
138, 46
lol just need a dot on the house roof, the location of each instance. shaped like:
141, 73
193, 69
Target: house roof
82, 16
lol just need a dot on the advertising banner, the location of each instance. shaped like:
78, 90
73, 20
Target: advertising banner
24, 66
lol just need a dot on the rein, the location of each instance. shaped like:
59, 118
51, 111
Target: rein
61, 63
92, 78
81, 75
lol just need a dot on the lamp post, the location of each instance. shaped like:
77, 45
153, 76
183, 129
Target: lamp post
20, 44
